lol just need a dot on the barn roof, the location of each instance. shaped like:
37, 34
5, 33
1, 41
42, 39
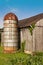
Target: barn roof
28, 21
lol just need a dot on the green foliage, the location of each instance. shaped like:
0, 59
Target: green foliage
12, 61
20, 58
1, 49
31, 27
39, 53
0, 36
23, 46
0, 39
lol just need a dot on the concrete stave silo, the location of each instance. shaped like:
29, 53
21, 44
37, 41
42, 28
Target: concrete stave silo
10, 33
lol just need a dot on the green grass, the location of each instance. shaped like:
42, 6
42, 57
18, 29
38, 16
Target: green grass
20, 58
1, 49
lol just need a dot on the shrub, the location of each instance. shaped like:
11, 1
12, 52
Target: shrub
31, 27
23, 46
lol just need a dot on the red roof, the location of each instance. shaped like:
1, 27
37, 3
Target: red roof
10, 16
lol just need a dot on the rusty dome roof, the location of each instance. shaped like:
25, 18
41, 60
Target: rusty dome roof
10, 16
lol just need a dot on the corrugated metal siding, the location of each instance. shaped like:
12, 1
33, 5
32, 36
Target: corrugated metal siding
10, 35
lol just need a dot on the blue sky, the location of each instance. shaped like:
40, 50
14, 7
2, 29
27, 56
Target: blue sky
22, 8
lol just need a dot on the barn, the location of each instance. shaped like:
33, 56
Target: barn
30, 32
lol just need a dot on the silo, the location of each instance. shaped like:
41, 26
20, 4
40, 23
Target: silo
10, 33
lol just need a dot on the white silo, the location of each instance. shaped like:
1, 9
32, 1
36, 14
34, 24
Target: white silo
10, 33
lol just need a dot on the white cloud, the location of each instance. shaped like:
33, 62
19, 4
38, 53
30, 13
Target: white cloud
10, 9
13, 10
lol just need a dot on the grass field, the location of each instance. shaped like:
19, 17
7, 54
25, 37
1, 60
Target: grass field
20, 58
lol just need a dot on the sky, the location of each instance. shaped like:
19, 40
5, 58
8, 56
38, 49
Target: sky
22, 8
